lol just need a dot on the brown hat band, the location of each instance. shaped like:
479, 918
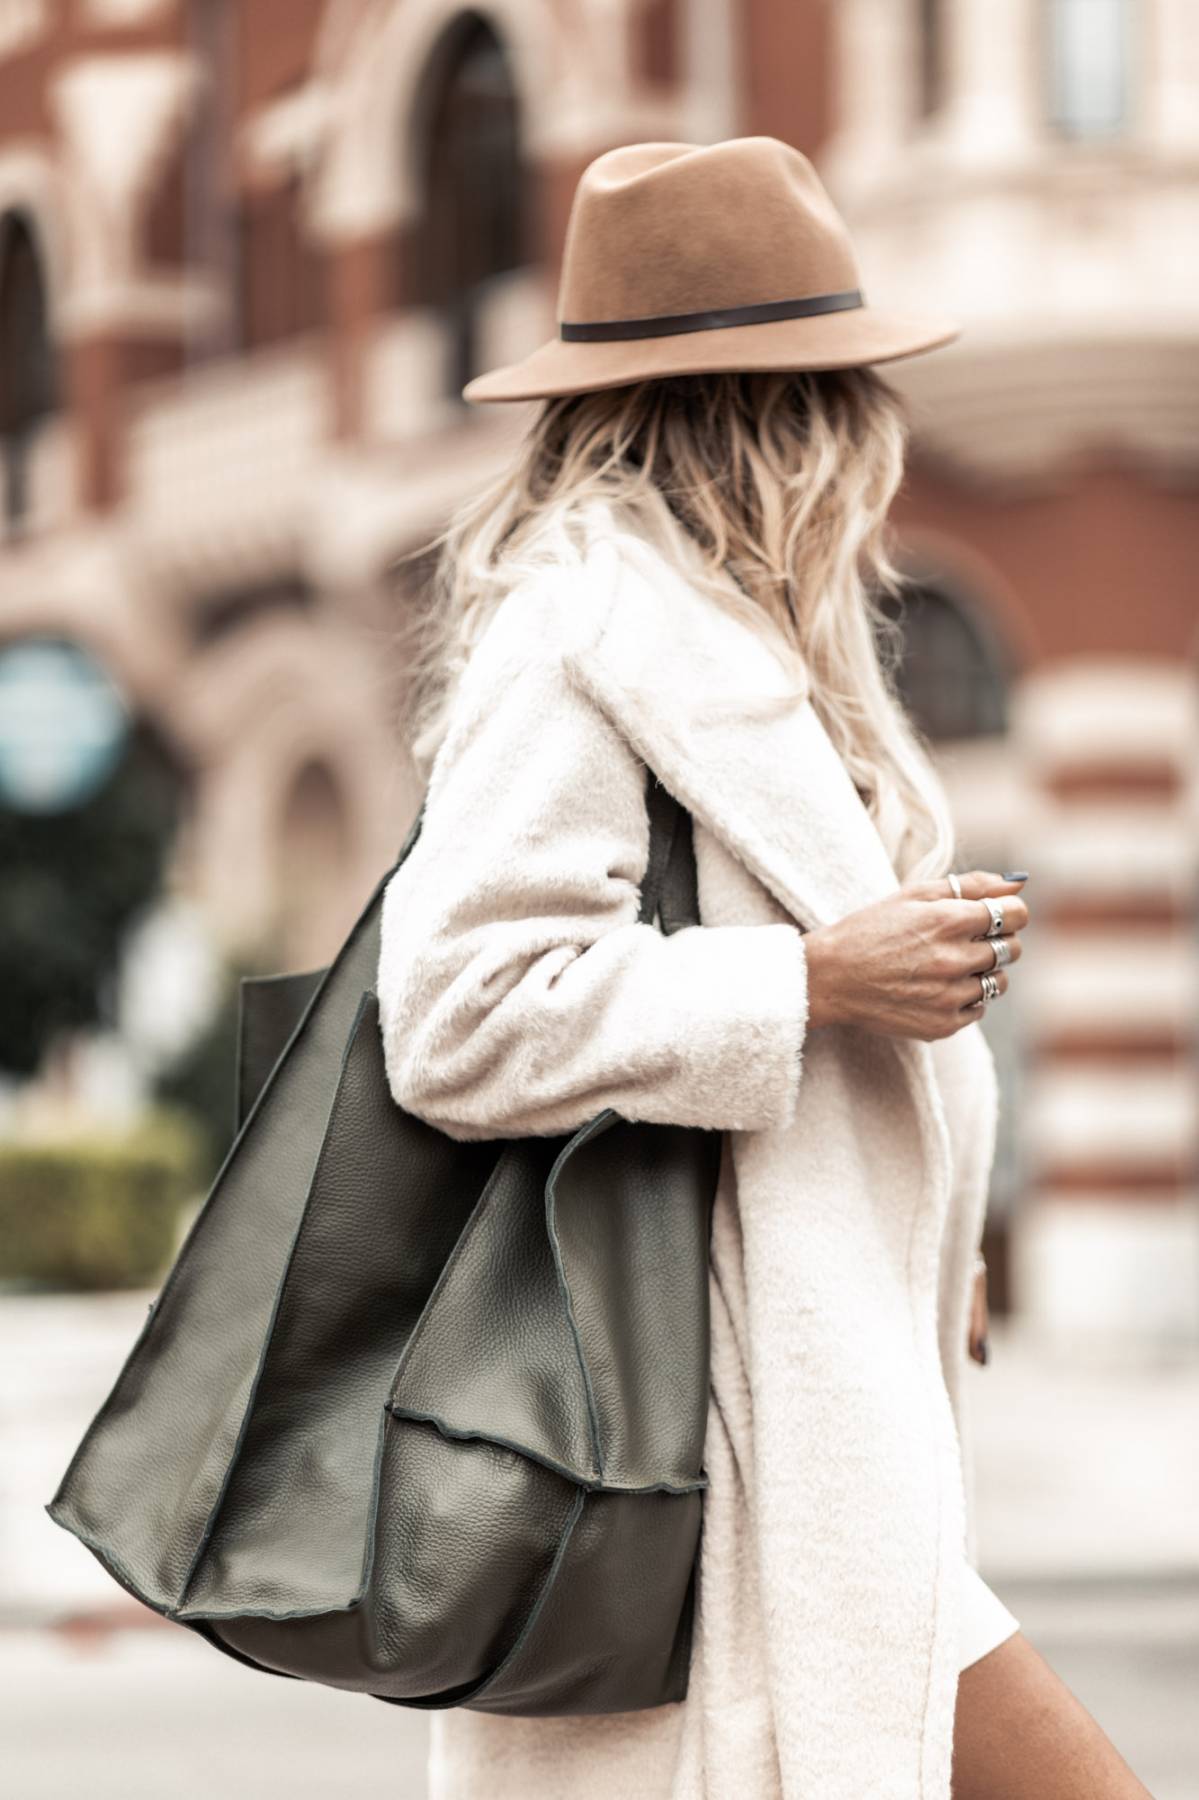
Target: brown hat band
666, 324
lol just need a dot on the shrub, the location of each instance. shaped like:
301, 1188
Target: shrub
98, 1210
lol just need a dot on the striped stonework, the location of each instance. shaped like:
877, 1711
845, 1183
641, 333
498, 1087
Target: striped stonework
1109, 1232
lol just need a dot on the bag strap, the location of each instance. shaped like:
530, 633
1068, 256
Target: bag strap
413, 832
670, 888
669, 891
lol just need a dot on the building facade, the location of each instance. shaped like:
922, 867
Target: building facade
1033, 167
250, 251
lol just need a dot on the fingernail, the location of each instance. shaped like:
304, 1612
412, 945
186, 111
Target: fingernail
983, 1353
1014, 874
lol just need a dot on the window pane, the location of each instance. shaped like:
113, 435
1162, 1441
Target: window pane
948, 676
1088, 56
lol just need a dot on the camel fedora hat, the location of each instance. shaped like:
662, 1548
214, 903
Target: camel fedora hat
686, 258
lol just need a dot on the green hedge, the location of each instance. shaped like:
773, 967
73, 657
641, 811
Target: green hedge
98, 1211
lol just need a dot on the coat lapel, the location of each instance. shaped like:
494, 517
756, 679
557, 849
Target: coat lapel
691, 686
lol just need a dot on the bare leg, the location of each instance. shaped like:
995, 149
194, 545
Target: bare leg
1020, 1734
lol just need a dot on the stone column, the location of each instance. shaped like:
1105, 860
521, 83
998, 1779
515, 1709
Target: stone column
118, 116
364, 277
1166, 47
874, 74
994, 58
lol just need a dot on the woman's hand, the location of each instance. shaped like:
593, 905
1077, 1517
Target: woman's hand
909, 965
976, 1331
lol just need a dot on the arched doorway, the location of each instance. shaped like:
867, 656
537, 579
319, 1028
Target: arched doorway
313, 845
472, 223
28, 377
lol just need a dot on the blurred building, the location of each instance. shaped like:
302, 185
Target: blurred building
250, 250
1034, 169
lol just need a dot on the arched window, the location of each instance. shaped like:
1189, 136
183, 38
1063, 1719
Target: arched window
951, 673
27, 373
472, 224
1087, 66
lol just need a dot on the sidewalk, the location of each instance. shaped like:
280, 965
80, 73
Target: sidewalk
1088, 1508
114, 1703
1087, 1482
1089, 1470
154, 1714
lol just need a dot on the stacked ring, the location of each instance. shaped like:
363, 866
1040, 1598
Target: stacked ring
995, 934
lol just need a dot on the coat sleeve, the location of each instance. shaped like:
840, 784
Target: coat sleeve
518, 993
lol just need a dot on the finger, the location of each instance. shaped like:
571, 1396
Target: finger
978, 884
974, 883
968, 992
974, 1337
980, 954
974, 956
978, 1308
972, 919
1014, 911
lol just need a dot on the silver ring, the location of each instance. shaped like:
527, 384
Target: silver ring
955, 885
1003, 952
995, 908
990, 988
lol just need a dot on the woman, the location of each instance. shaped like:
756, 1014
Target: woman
677, 571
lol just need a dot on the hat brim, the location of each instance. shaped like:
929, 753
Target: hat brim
827, 341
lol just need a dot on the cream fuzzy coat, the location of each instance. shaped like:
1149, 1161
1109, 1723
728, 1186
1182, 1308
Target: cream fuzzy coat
519, 995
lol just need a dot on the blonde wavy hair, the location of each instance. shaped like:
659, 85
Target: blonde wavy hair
772, 490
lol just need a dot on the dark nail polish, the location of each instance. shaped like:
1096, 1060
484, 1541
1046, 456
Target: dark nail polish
984, 1355
1014, 874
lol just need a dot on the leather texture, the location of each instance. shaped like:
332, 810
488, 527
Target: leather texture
413, 1416
269, 1009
